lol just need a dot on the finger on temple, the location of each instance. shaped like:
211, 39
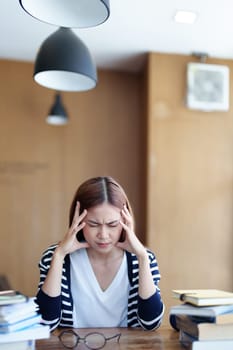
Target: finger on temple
84, 213
76, 213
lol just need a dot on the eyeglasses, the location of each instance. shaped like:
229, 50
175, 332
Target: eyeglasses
93, 341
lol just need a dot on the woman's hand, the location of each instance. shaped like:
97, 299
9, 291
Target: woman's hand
146, 286
131, 242
69, 243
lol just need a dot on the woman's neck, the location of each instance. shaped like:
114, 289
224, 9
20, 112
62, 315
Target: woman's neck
113, 255
105, 266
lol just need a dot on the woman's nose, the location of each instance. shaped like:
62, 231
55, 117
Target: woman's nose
103, 232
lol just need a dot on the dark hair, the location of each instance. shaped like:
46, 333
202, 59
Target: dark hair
98, 190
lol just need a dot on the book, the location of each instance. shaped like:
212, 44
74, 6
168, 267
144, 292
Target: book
9, 313
8, 297
37, 331
204, 297
199, 329
191, 343
213, 345
220, 314
24, 323
16, 318
19, 345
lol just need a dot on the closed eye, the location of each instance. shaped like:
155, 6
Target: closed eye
113, 224
93, 224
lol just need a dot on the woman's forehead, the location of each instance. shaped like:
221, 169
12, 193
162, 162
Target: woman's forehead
104, 211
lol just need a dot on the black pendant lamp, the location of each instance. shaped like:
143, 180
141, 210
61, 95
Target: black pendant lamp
64, 63
68, 13
57, 114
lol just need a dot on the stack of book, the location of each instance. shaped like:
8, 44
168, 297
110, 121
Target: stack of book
19, 322
204, 319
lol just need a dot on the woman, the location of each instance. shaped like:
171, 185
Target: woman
100, 274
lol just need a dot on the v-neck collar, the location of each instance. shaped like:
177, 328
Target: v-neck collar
91, 272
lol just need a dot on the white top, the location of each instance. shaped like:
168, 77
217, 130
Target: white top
94, 307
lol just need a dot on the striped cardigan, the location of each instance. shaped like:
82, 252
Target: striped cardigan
58, 311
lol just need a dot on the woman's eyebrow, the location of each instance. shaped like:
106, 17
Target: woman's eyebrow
92, 221
113, 222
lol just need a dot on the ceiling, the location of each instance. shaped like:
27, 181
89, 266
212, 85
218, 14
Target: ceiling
134, 28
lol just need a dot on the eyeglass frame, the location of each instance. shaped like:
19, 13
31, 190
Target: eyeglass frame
78, 338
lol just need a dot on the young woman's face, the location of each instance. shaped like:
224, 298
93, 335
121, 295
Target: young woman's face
103, 229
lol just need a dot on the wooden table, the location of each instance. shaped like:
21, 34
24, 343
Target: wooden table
164, 338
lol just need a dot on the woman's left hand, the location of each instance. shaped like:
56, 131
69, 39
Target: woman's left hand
131, 243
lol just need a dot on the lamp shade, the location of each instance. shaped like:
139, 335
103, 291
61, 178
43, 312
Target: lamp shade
64, 63
57, 114
68, 13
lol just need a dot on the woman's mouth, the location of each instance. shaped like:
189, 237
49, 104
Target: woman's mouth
103, 245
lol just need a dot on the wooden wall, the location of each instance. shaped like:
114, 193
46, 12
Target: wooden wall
42, 165
189, 182
175, 164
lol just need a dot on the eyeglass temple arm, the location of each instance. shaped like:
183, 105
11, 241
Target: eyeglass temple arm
115, 336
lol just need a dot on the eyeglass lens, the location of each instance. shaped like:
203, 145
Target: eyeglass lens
95, 341
69, 339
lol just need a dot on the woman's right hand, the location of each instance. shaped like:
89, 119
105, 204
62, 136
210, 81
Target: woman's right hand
69, 243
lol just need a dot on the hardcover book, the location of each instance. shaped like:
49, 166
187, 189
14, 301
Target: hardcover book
19, 345
219, 313
15, 312
191, 343
204, 297
200, 329
8, 297
37, 331
22, 324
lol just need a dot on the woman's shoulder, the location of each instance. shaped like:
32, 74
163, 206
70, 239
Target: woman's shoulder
151, 254
133, 258
48, 253
50, 249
